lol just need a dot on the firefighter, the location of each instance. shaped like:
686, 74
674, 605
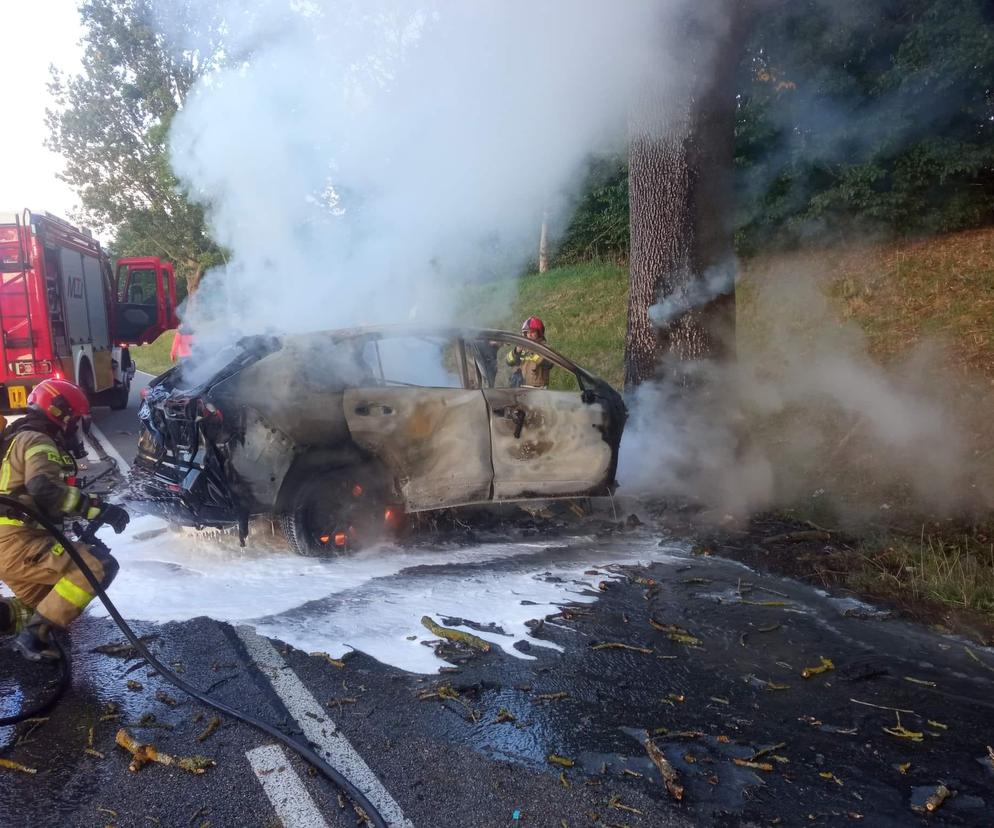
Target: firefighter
182, 344
533, 369
39, 468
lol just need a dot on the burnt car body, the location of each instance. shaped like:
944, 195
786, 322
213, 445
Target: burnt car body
321, 429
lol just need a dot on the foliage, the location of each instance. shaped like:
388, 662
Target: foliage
599, 225
876, 115
111, 125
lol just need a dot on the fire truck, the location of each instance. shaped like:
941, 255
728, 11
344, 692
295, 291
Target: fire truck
65, 313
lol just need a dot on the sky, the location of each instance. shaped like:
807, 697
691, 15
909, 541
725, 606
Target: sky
35, 35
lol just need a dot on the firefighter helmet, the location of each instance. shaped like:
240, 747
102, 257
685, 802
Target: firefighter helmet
533, 323
60, 401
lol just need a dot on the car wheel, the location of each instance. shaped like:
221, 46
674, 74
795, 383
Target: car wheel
338, 512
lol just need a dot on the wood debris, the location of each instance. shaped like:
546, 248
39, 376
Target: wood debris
10, 764
765, 603
341, 702
939, 725
562, 761
94, 753
671, 779
616, 803
552, 696
920, 681
447, 692
468, 639
933, 801
824, 667
675, 633
760, 753
165, 698
337, 662
901, 732
983, 664
563, 780
617, 645
828, 776
504, 715
801, 536
748, 763
124, 649
212, 725
134, 685
143, 754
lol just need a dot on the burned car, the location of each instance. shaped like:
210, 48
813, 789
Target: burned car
341, 435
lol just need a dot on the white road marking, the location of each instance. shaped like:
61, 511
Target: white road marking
285, 790
318, 727
122, 464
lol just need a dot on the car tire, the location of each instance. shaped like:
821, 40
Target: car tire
337, 512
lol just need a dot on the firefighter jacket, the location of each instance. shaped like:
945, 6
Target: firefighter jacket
534, 367
37, 471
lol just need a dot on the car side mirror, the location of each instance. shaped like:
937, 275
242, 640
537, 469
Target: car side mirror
587, 396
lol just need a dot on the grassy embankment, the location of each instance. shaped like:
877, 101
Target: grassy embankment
154, 358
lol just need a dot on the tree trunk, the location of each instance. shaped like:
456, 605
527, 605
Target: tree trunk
680, 193
543, 242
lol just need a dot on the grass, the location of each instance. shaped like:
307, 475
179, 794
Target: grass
154, 358
584, 308
951, 567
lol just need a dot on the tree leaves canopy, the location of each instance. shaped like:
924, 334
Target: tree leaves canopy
111, 123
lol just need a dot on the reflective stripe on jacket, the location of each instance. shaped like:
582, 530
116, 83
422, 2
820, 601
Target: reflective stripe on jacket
34, 469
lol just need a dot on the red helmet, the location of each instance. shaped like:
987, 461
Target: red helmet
533, 323
59, 400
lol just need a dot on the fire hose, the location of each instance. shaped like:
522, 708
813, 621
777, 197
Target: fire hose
89, 536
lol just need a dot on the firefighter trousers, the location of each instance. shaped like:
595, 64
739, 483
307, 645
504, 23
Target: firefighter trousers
40, 573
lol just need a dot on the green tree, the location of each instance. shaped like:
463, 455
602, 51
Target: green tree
874, 115
111, 122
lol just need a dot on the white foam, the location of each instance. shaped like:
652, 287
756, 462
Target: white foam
373, 600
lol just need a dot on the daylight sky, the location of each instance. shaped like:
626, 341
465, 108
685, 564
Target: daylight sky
35, 34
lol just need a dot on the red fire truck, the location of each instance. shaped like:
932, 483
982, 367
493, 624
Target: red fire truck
65, 314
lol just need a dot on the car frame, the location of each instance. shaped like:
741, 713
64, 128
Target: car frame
325, 432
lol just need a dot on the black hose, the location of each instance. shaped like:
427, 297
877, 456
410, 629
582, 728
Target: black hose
350, 790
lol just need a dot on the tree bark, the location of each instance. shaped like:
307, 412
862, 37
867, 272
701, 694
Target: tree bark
543, 243
680, 199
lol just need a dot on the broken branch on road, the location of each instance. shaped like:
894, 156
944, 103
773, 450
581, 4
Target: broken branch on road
671, 779
142, 754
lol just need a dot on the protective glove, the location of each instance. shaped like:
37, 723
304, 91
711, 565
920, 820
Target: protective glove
114, 516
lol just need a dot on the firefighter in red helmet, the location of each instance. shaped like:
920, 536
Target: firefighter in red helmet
532, 369
39, 469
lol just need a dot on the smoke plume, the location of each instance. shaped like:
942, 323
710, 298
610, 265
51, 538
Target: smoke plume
365, 159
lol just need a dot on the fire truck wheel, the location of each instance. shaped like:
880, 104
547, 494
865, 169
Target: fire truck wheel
338, 512
119, 397
86, 380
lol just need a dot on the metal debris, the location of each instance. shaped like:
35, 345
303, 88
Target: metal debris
671, 779
468, 639
143, 754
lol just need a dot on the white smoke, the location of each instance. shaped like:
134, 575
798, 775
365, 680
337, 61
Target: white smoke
365, 159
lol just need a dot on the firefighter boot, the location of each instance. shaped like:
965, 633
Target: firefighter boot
36, 642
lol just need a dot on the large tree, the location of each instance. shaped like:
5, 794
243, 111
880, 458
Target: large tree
111, 121
682, 302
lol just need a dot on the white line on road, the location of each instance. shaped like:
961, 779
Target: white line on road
319, 729
285, 790
122, 464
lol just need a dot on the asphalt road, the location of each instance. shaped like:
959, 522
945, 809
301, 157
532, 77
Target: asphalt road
702, 654
121, 427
